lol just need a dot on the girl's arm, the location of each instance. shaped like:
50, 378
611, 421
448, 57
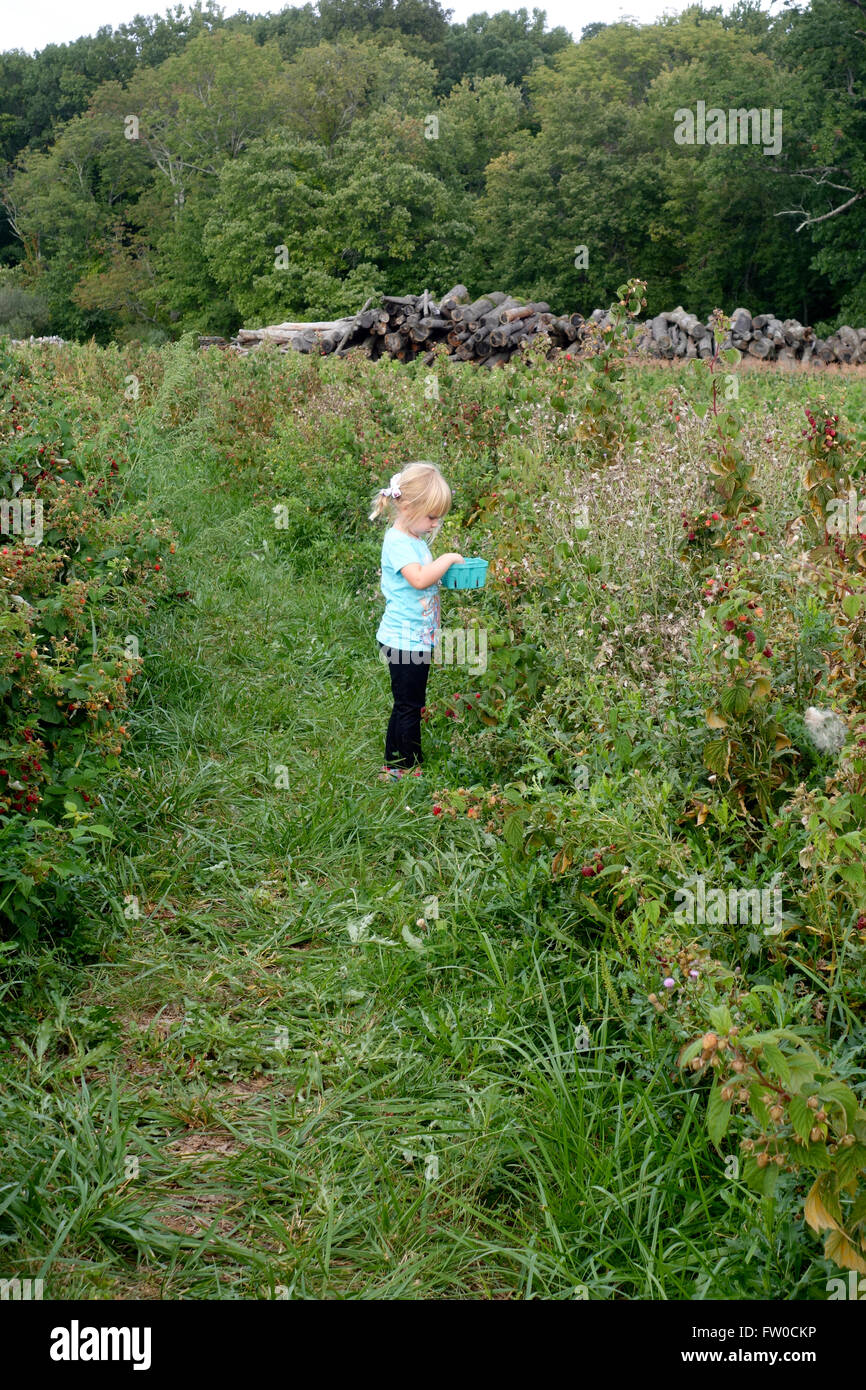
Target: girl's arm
422, 576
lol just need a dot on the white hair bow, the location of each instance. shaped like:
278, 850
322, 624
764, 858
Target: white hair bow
392, 490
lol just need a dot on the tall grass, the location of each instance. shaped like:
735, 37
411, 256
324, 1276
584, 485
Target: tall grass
243, 1079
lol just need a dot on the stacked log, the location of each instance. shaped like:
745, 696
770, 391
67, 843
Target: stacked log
34, 342
487, 330
491, 328
769, 339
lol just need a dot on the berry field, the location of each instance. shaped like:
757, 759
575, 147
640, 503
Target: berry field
580, 1012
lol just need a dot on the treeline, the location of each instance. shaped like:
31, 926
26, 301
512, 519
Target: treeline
196, 172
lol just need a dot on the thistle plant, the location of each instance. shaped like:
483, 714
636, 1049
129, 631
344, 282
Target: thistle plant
715, 397
604, 420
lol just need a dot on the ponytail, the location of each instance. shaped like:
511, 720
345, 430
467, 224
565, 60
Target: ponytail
422, 488
385, 497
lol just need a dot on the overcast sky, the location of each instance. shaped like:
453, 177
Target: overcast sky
35, 23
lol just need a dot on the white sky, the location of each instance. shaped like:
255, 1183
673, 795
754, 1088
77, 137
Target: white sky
34, 24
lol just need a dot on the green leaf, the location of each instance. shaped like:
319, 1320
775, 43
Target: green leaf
850, 1162
716, 754
721, 1019
622, 746
735, 700
761, 1180
693, 1049
842, 1095
778, 1064
802, 1118
718, 1115
757, 1106
513, 830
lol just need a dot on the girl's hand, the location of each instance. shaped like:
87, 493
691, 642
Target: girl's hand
422, 576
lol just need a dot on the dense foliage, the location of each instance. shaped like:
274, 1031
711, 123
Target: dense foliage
585, 1004
81, 567
193, 172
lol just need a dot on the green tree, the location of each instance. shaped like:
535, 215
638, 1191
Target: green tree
329, 87
355, 220
510, 44
603, 171
826, 197
476, 122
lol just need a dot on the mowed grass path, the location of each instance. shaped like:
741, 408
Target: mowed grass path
274, 1083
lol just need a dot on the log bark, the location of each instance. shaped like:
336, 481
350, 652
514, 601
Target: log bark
456, 296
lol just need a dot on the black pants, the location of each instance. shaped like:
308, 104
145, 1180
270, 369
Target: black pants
409, 672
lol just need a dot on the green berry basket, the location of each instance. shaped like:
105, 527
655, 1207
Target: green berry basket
470, 575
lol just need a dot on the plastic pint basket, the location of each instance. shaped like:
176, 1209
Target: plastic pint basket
470, 575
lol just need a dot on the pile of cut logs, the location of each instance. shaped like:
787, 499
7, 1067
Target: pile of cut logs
486, 330
489, 330
678, 334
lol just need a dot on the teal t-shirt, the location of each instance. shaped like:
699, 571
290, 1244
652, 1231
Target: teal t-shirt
411, 618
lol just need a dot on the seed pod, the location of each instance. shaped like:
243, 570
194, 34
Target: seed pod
742, 1095
762, 1160
779, 1159
727, 1093
709, 1042
738, 1064
816, 1134
813, 1103
777, 1113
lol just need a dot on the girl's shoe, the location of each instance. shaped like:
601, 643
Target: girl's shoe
390, 774
394, 774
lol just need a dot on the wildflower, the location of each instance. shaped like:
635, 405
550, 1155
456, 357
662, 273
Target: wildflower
750, 636
826, 729
669, 983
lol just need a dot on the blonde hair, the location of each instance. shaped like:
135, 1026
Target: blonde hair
423, 492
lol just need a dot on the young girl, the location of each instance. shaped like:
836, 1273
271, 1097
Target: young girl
417, 499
